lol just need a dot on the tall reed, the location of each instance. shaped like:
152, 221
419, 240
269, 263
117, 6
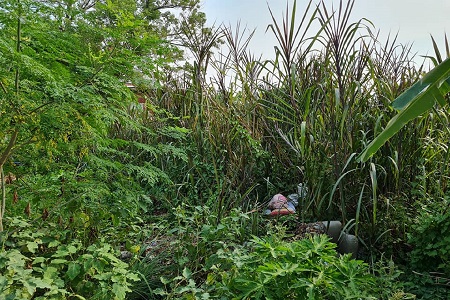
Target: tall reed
303, 116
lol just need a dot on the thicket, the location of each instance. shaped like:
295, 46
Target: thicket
103, 198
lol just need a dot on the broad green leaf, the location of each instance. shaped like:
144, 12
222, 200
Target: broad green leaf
104, 276
16, 260
187, 273
29, 289
133, 276
39, 260
71, 249
119, 291
417, 100
117, 278
59, 261
61, 252
39, 283
438, 76
164, 280
73, 270
404, 99
54, 243
50, 272
3, 282
32, 246
99, 264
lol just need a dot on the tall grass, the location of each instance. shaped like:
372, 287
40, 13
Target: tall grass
302, 117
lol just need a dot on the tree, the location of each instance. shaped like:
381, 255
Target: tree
63, 69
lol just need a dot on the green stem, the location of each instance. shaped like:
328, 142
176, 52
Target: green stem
3, 205
18, 36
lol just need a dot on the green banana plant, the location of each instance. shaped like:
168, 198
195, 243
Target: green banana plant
419, 98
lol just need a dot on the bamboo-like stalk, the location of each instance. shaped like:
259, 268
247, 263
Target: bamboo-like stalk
3, 204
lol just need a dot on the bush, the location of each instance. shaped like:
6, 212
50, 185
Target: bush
428, 274
43, 263
268, 268
430, 238
271, 268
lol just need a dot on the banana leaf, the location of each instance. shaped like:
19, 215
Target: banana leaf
418, 99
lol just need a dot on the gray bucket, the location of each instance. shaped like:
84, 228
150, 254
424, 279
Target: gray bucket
348, 243
333, 230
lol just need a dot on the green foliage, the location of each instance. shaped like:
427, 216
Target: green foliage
79, 149
270, 268
86, 155
418, 99
219, 260
200, 232
151, 269
427, 286
388, 280
302, 269
430, 238
187, 249
47, 263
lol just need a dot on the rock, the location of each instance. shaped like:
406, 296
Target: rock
304, 230
125, 255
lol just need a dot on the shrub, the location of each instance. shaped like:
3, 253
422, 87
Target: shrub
268, 268
430, 238
43, 263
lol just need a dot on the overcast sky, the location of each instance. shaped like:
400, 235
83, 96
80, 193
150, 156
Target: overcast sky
414, 20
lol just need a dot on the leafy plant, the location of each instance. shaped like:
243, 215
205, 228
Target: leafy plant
426, 286
418, 99
430, 240
269, 268
46, 264
68, 105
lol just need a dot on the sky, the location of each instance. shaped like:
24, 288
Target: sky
413, 20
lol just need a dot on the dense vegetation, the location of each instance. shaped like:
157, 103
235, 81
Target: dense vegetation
104, 198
